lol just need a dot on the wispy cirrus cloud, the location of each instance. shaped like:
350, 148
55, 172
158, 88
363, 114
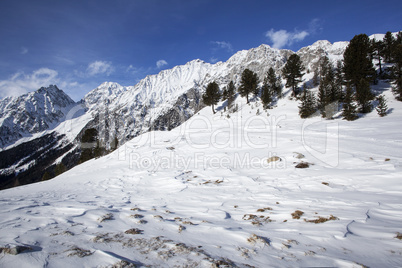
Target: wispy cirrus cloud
222, 45
100, 67
131, 69
315, 26
21, 83
161, 63
213, 60
283, 38
24, 50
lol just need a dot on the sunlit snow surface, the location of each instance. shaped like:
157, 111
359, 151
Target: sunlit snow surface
204, 194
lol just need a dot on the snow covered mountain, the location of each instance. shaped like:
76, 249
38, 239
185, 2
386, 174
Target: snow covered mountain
165, 100
128, 111
32, 113
158, 102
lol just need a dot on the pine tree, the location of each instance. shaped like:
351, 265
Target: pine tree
267, 92
46, 176
231, 94
334, 92
325, 67
224, 94
59, 169
256, 90
388, 42
382, 106
86, 154
398, 38
88, 142
377, 47
293, 73
99, 150
396, 72
364, 96
211, 95
308, 104
274, 83
248, 84
357, 64
358, 69
339, 80
349, 109
328, 92
316, 77
224, 97
323, 89
323, 98
271, 87
114, 144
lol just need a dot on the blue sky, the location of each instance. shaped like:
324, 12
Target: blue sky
80, 44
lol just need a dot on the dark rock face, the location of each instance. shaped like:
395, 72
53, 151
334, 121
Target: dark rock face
185, 107
27, 162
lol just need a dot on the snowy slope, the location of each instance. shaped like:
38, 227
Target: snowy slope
204, 194
130, 111
158, 102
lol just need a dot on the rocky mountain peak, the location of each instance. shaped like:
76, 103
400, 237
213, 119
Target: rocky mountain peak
32, 113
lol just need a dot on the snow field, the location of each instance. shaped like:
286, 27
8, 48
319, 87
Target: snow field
204, 194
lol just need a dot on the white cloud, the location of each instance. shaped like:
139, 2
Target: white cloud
100, 67
21, 83
63, 60
24, 50
213, 60
131, 69
284, 38
315, 26
161, 63
223, 45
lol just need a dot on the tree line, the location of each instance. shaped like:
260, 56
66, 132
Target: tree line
346, 86
271, 89
349, 83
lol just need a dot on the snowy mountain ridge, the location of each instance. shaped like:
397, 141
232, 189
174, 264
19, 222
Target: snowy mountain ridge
32, 113
161, 101
155, 95
158, 93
